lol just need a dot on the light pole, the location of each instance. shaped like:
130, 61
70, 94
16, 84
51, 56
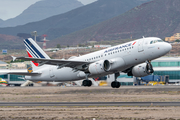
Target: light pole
34, 33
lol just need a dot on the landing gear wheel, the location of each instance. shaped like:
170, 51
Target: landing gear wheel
87, 83
115, 84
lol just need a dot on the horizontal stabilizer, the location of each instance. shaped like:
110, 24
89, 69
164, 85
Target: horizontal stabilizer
14, 58
24, 73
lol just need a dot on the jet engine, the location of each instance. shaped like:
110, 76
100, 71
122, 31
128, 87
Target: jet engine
99, 67
142, 70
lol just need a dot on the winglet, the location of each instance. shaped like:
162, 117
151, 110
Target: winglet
14, 58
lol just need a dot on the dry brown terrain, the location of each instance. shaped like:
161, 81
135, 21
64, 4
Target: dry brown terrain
74, 52
92, 94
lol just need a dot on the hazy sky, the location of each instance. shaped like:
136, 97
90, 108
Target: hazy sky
12, 8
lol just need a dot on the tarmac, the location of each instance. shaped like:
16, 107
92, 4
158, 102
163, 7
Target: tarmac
85, 104
90, 103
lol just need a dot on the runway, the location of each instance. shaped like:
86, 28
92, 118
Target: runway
90, 104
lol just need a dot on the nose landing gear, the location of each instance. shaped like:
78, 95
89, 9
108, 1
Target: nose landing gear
149, 66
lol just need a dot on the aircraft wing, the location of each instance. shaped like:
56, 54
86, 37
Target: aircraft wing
57, 62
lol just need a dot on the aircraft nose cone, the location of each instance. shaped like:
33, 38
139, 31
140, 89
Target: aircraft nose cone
168, 47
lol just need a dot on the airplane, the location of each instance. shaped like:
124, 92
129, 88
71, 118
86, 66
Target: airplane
133, 58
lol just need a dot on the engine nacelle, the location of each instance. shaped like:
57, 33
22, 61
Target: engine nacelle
99, 67
142, 70
117, 64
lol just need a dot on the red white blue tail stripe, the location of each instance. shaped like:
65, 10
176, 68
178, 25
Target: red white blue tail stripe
33, 50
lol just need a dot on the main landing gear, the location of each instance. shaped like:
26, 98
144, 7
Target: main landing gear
86, 82
116, 84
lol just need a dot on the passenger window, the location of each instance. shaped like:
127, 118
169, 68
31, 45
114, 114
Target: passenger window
151, 42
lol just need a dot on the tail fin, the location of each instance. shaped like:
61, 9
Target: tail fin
34, 51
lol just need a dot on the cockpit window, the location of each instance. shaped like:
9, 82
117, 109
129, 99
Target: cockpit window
160, 41
155, 41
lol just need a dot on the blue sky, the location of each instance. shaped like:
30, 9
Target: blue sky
12, 8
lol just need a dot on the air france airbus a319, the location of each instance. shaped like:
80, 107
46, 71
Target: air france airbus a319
132, 58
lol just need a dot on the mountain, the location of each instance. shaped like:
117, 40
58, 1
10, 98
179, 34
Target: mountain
11, 42
158, 18
1, 21
41, 10
76, 19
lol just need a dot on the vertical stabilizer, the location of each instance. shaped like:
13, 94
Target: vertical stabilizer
34, 51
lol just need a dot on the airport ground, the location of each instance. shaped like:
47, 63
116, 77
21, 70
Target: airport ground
91, 94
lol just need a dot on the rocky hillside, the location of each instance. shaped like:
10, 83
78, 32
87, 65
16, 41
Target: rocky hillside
11, 42
159, 18
41, 10
77, 19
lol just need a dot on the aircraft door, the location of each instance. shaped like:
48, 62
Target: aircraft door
140, 45
51, 73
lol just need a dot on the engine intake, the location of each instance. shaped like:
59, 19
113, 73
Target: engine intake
142, 70
99, 67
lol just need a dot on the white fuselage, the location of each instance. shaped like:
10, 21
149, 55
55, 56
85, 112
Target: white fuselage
129, 54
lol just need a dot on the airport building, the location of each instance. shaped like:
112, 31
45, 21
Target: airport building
14, 79
169, 66
3, 65
173, 38
13, 67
